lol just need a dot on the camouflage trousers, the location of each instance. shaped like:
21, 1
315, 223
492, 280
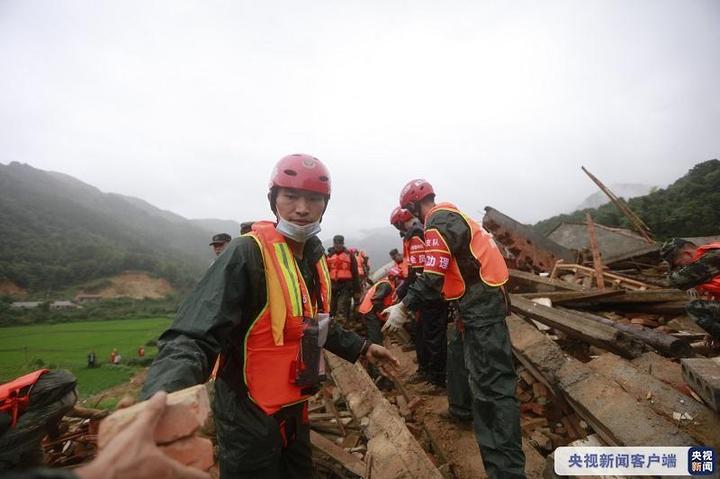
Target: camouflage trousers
707, 315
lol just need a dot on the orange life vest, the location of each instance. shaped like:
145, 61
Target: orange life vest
15, 395
712, 287
272, 343
440, 260
366, 303
360, 258
340, 266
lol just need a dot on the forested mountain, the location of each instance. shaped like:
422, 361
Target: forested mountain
56, 231
688, 207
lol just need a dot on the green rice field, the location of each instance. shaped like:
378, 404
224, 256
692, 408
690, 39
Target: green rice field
66, 345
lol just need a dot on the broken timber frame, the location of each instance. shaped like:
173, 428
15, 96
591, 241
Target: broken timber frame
634, 219
393, 452
613, 413
577, 326
595, 248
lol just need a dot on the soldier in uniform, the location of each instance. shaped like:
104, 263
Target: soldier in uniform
698, 267
463, 264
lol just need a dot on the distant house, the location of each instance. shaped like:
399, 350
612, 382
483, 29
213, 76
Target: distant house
24, 304
58, 305
88, 298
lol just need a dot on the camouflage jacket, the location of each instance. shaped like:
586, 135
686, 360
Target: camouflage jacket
694, 274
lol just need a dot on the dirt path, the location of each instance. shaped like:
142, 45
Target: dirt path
457, 443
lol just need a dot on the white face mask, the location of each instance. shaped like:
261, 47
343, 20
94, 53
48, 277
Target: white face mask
299, 233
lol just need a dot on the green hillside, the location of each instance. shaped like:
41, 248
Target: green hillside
688, 207
56, 231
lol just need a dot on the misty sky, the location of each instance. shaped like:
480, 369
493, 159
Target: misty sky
189, 104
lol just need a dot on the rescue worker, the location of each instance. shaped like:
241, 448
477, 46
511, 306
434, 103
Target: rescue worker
363, 264
430, 329
344, 276
379, 297
374, 302
130, 454
463, 263
246, 227
264, 297
219, 242
699, 268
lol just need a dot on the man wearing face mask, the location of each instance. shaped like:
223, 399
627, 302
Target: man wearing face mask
262, 309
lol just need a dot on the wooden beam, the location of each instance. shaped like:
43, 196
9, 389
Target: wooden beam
613, 413
664, 343
352, 463
521, 280
589, 296
595, 248
634, 219
576, 326
393, 452
691, 416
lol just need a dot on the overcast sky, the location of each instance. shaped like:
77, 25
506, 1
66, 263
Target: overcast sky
189, 104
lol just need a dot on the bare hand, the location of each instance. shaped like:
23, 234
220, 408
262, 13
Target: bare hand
133, 454
383, 359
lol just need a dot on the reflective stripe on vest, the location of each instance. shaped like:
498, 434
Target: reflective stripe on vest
712, 287
340, 266
270, 354
366, 303
439, 259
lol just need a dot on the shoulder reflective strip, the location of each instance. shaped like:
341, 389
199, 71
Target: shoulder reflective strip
326, 274
287, 265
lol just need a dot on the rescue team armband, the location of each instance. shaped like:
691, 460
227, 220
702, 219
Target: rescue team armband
417, 252
437, 253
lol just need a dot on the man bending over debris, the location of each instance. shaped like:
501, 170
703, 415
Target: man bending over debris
262, 308
463, 263
699, 268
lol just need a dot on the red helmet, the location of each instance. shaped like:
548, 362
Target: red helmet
414, 191
400, 215
303, 172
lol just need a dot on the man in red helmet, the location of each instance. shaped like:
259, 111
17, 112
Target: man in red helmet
430, 332
463, 264
262, 308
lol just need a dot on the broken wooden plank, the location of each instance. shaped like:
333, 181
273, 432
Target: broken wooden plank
703, 375
350, 462
661, 368
634, 219
591, 296
521, 281
611, 278
597, 261
393, 452
610, 410
692, 417
574, 325
664, 343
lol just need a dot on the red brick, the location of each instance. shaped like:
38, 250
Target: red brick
193, 451
186, 412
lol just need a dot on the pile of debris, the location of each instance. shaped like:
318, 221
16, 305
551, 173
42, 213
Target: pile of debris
601, 336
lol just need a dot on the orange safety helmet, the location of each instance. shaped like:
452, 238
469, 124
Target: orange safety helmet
400, 216
414, 191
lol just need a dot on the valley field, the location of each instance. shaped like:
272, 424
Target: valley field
66, 345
